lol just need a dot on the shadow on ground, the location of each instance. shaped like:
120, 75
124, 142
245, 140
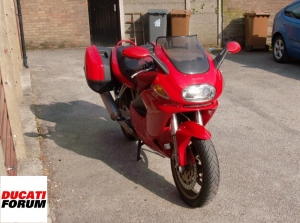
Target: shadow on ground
264, 60
86, 129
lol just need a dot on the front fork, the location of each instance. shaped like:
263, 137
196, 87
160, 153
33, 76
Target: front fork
174, 128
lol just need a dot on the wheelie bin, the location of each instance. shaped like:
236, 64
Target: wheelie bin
256, 30
180, 22
157, 23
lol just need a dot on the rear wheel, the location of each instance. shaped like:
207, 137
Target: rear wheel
124, 103
279, 50
198, 183
128, 135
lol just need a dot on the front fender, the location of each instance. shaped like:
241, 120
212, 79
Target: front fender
185, 132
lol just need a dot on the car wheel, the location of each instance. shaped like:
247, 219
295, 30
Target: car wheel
279, 50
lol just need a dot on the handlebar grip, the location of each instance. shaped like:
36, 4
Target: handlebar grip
133, 69
143, 70
142, 66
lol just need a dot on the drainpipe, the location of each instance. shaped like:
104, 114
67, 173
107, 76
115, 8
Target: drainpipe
22, 34
187, 4
220, 23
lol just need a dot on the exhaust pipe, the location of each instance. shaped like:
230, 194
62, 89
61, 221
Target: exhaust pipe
111, 106
115, 113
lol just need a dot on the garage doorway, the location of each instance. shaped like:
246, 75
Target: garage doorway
104, 18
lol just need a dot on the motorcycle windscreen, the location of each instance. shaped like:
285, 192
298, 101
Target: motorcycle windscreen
185, 53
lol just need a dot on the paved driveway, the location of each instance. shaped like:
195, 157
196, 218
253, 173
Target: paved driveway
93, 176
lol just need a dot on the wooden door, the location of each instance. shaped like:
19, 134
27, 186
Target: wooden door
104, 17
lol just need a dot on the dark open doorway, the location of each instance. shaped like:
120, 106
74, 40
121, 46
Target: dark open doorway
104, 18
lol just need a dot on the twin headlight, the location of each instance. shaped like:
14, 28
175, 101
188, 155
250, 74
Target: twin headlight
199, 93
193, 93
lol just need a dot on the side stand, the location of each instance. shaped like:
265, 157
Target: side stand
140, 144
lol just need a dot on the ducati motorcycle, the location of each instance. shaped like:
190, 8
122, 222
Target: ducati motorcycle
165, 93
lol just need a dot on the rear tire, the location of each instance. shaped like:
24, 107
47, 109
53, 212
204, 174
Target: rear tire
124, 103
199, 183
128, 135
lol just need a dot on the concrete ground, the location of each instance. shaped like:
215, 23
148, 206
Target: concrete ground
91, 167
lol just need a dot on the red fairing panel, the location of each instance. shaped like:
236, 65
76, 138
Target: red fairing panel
116, 70
93, 64
141, 128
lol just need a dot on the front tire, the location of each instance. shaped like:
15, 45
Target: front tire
280, 54
199, 182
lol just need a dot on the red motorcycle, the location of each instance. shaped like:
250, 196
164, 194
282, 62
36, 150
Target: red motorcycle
164, 95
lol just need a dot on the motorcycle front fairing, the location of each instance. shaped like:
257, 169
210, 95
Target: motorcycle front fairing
188, 65
180, 55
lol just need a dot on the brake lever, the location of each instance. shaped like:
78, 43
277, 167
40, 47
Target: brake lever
142, 71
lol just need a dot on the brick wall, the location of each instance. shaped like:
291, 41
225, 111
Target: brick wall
58, 24
203, 21
55, 23
142, 6
234, 21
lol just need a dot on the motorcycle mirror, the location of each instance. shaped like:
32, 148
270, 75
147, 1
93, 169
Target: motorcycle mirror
233, 47
136, 52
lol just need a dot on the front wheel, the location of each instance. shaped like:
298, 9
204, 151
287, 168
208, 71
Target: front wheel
198, 183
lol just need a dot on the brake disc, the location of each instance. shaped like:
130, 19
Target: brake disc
188, 178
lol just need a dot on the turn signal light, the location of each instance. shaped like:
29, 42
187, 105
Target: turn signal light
160, 91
